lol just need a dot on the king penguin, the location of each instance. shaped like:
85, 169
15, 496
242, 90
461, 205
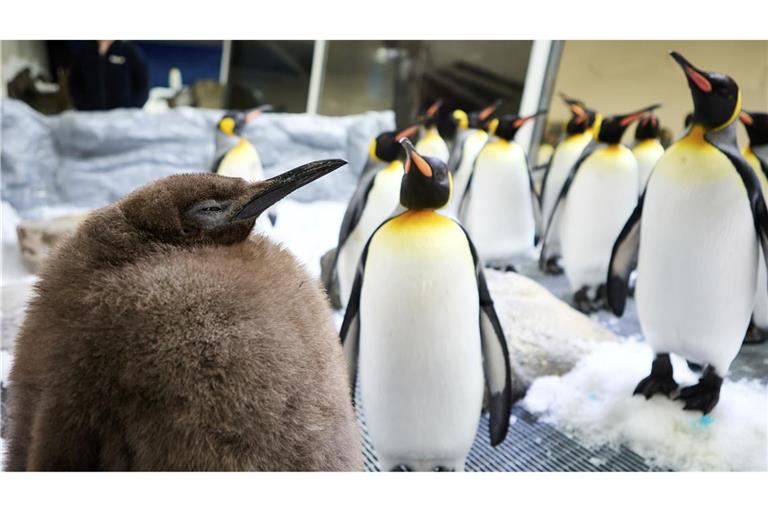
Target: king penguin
374, 200
579, 132
422, 329
500, 209
647, 148
471, 136
597, 198
161, 337
695, 235
756, 153
430, 142
236, 157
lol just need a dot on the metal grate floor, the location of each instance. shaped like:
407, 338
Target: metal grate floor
530, 446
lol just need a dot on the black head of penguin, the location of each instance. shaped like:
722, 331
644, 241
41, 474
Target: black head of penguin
386, 146
612, 129
688, 121
233, 123
426, 183
205, 209
756, 124
648, 128
508, 125
582, 118
716, 97
480, 119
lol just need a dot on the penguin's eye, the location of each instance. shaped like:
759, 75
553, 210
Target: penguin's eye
211, 209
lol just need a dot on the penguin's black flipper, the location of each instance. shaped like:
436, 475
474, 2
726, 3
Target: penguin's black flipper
725, 142
624, 260
496, 363
561, 197
454, 160
536, 200
351, 217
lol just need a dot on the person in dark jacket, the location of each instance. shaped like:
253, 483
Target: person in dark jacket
109, 74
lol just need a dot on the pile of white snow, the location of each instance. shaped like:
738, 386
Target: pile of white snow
594, 402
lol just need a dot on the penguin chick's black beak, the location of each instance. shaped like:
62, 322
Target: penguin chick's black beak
274, 189
415, 159
628, 119
696, 77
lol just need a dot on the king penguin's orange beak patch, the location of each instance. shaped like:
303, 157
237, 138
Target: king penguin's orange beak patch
580, 113
746, 118
420, 163
630, 118
432, 110
697, 78
407, 132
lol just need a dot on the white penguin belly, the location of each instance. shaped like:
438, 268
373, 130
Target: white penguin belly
472, 146
565, 156
599, 202
382, 200
698, 256
647, 154
431, 144
499, 213
420, 361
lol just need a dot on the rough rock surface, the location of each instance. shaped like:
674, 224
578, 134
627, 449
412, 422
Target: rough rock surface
545, 335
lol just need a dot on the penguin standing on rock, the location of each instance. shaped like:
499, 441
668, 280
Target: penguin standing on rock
471, 136
422, 329
695, 235
647, 148
597, 198
374, 200
236, 157
500, 209
430, 142
756, 153
163, 338
579, 132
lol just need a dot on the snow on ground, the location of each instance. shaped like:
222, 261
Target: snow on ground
594, 401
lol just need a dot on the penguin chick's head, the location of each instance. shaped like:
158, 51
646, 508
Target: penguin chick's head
386, 147
192, 209
716, 97
756, 124
582, 118
233, 123
507, 126
648, 128
613, 128
426, 183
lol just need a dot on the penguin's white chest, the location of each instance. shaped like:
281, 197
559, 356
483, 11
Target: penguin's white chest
698, 256
499, 211
647, 154
242, 161
382, 200
420, 361
470, 149
599, 202
431, 144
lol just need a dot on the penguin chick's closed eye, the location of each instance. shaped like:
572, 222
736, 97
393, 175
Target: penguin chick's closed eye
162, 338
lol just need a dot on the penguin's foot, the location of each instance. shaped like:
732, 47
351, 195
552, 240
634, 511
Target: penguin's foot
443, 469
504, 268
694, 367
659, 381
704, 395
755, 335
601, 298
402, 467
582, 301
551, 266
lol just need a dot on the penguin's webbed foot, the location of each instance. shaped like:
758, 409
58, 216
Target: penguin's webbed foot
551, 266
704, 395
402, 467
504, 268
601, 298
660, 380
755, 335
582, 301
443, 469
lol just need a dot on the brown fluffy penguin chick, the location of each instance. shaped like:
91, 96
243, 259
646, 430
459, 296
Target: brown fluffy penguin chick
161, 337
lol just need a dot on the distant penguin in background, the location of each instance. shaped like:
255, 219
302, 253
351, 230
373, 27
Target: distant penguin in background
374, 200
694, 236
163, 338
647, 148
500, 209
422, 329
579, 132
430, 142
471, 136
756, 153
236, 157
597, 198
